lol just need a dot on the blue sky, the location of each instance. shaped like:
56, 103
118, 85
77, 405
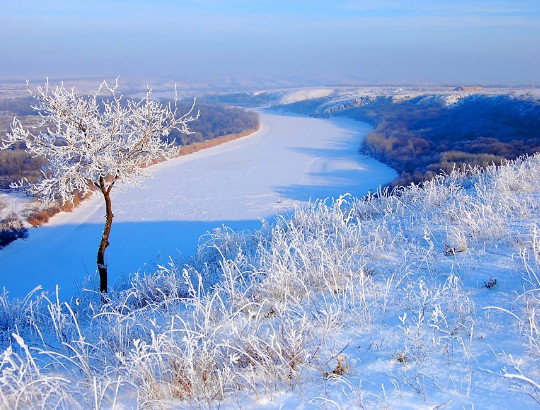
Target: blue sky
383, 41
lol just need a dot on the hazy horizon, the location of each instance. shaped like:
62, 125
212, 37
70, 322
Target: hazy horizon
298, 41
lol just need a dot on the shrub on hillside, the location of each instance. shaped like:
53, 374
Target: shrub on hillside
39, 218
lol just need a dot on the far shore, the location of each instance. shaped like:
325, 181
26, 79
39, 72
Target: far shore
191, 148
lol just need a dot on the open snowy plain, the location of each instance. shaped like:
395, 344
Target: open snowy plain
290, 160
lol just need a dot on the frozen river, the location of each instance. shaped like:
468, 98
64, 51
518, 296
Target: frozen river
290, 160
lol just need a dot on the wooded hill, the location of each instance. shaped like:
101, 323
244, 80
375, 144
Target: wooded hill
423, 136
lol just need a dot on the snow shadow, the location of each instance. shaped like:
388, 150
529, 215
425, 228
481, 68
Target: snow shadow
338, 169
64, 255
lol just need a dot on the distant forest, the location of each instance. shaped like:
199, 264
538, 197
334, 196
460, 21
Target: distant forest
215, 121
422, 137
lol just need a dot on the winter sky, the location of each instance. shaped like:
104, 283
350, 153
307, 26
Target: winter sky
416, 41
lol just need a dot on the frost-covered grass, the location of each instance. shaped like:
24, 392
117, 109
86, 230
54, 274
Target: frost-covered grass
422, 298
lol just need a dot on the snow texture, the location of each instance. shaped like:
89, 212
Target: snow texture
307, 94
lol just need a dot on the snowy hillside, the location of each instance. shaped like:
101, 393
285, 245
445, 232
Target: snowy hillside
332, 100
425, 299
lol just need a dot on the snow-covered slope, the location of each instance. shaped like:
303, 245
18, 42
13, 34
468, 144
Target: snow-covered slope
425, 299
290, 160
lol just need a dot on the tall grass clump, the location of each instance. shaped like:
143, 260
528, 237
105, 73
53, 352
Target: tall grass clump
426, 296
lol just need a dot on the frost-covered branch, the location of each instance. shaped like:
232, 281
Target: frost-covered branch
100, 135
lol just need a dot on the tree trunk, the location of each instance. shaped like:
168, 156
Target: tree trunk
102, 267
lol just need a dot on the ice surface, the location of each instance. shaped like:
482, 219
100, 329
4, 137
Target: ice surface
288, 161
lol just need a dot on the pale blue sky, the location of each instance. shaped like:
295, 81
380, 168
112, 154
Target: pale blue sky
385, 41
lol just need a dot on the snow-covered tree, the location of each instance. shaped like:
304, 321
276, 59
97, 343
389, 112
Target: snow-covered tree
93, 141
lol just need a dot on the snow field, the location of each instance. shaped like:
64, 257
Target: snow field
423, 298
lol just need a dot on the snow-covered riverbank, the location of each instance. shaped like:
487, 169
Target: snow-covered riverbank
288, 161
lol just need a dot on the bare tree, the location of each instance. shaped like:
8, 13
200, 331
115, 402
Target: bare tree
93, 141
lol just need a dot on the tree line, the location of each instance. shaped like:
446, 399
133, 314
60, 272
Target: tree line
422, 140
215, 121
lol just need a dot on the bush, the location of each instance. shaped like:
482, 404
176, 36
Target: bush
11, 228
39, 218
